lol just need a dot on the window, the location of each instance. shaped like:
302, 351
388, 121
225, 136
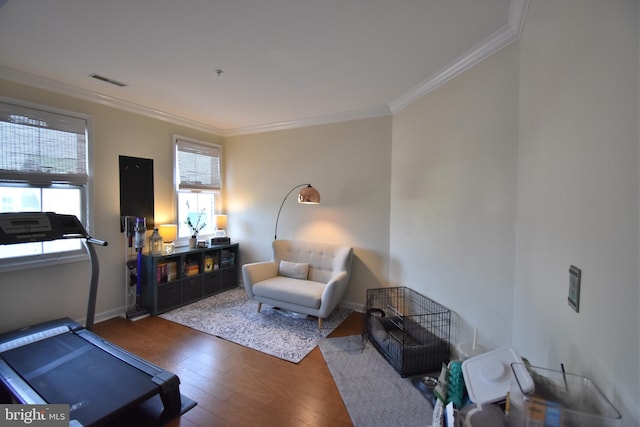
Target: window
43, 167
198, 184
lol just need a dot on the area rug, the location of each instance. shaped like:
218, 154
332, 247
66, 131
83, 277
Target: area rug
373, 392
232, 316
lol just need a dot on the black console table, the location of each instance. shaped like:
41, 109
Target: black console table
187, 275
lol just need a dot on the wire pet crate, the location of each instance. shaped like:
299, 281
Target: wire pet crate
410, 330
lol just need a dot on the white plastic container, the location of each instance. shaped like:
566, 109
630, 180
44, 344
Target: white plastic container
557, 399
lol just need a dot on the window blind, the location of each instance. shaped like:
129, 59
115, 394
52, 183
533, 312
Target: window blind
42, 147
198, 166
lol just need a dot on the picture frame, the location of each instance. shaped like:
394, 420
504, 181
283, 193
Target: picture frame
575, 275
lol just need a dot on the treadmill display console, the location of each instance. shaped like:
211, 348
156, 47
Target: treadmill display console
21, 227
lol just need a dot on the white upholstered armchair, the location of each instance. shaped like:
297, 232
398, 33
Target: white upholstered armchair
305, 277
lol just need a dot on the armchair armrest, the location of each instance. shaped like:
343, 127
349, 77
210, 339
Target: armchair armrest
333, 293
257, 272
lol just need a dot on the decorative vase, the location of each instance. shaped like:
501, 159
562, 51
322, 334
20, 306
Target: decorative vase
192, 242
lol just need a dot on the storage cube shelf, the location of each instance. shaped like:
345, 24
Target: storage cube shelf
170, 281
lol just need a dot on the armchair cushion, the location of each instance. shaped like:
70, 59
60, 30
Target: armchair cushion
288, 290
295, 270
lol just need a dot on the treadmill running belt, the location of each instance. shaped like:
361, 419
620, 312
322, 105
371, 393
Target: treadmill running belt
67, 369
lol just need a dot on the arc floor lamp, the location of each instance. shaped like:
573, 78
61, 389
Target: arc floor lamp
308, 196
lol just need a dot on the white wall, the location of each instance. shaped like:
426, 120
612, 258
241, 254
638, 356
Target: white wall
349, 164
518, 168
32, 296
578, 193
453, 197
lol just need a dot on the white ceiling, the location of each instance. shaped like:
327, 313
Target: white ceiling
284, 63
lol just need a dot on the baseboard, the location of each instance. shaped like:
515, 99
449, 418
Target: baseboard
122, 311
105, 315
353, 306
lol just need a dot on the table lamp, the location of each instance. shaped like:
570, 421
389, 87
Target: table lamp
221, 225
169, 233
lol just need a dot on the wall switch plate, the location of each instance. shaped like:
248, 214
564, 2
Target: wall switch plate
574, 287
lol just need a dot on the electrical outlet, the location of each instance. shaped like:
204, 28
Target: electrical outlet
574, 287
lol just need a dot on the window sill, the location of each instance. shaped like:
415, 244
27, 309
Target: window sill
37, 261
184, 241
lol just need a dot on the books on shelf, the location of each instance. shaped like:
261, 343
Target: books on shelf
228, 259
191, 268
178, 266
172, 270
166, 272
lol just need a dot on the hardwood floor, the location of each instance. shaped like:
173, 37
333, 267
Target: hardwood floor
234, 385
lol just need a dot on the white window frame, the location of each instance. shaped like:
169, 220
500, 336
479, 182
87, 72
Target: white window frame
185, 186
86, 199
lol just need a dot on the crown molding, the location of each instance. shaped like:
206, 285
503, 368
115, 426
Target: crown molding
492, 44
517, 13
366, 113
69, 90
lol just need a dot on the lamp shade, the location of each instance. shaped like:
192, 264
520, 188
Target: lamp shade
169, 232
309, 195
221, 222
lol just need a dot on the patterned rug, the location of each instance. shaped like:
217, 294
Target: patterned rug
233, 317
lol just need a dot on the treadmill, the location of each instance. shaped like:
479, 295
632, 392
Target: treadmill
61, 362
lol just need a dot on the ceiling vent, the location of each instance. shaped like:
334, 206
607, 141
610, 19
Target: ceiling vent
107, 80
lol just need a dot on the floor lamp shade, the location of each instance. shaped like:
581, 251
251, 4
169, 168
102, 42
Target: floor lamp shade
308, 196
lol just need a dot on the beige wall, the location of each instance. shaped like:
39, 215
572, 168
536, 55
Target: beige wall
526, 164
520, 167
578, 193
31, 296
453, 197
349, 164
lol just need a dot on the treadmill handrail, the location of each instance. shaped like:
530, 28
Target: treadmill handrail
18, 227
95, 241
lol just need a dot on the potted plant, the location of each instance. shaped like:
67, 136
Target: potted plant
195, 226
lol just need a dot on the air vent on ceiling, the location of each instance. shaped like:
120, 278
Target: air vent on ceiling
107, 80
